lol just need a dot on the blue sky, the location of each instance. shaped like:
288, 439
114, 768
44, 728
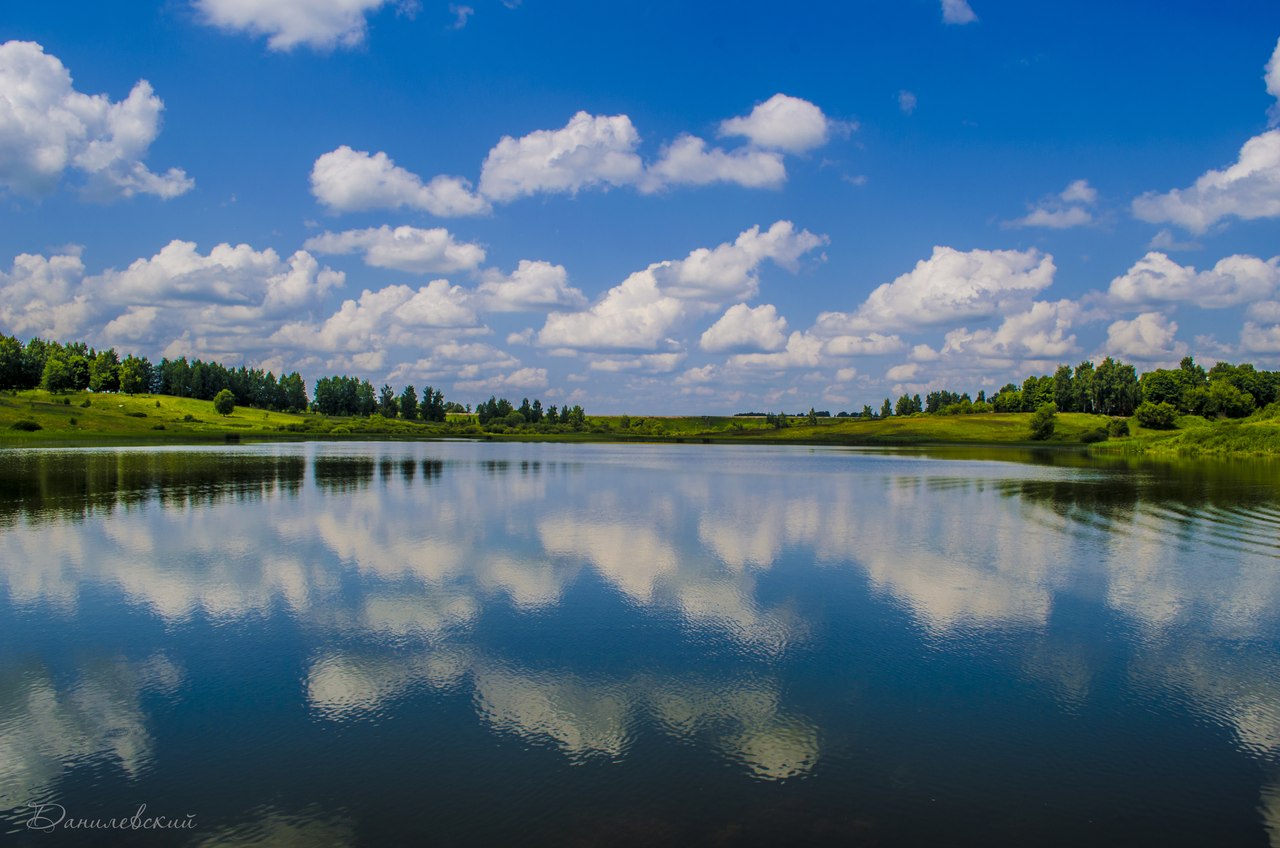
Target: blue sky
645, 207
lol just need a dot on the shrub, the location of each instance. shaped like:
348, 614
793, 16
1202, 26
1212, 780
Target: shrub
224, 403
136, 414
85, 404
1043, 421
1156, 416
1117, 428
1096, 435
157, 404
72, 421
65, 401
191, 418
158, 427
26, 425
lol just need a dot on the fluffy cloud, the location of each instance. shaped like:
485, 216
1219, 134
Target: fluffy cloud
533, 286
460, 360
1248, 189
783, 123
41, 297
1155, 279
523, 378
1257, 339
390, 315
639, 313
744, 328
239, 275
47, 127
347, 180
1063, 210
404, 249
1041, 332
589, 151
730, 271
654, 363
871, 344
957, 12
901, 373
322, 24
687, 161
802, 351
1148, 337
633, 315
950, 287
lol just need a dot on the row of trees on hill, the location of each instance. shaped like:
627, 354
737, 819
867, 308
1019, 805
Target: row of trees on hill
76, 366
1114, 388
497, 410
342, 395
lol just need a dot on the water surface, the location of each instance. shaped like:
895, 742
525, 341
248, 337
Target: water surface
479, 644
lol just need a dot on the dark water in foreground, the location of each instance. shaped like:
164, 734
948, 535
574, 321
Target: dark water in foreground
477, 644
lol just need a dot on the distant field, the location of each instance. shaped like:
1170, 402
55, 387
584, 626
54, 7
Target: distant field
160, 418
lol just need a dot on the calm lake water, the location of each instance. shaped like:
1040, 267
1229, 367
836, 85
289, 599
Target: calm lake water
479, 644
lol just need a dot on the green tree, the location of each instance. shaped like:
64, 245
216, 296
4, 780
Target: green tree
387, 406
104, 371
57, 376
886, 409
134, 378
10, 363
1064, 389
224, 402
1156, 416
1043, 421
409, 404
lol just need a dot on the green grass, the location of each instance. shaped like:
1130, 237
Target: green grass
1258, 435
160, 418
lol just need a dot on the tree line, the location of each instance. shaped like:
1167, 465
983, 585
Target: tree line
75, 366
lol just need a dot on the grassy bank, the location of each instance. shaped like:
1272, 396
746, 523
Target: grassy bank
1257, 435
88, 418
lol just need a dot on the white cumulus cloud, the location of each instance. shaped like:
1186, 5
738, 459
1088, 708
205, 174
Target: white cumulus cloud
591, 150
743, 328
41, 296
533, 286
1063, 210
642, 311
1248, 189
1235, 280
1041, 332
404, 248
782, 122
949, 287
687, 161
347, 180
957, 12
321, 24
1148, 337
48, 128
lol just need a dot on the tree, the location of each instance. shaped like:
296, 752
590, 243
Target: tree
387, 406
104, 371
1156, 416
1043, 422
135, 375
224, 402
1064, 396
57, 376
409, 404
886, 409
10, 362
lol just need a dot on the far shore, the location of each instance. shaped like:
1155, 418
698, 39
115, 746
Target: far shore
85, 418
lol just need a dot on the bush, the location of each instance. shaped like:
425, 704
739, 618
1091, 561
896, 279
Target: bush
72, 421
157, 404
158, 427
1092, 436
136, 414
65, 401
1117, 428
1043, 421
26, 425
224, 403
85, 404
1156, 416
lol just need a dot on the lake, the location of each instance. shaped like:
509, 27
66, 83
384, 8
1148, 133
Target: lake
521, 644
